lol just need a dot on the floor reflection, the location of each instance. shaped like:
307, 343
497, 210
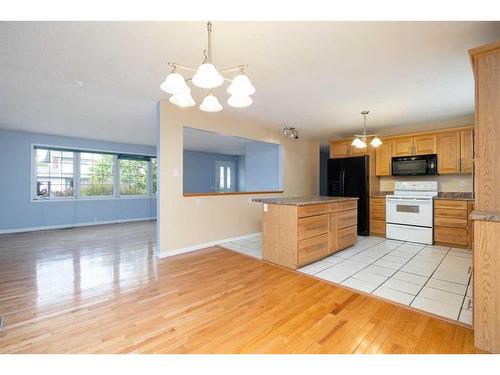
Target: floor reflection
40, 271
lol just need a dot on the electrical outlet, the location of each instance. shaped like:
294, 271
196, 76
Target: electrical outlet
175, 172
461, 183
197, 202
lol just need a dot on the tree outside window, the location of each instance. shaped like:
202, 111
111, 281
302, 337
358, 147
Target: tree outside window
133, 177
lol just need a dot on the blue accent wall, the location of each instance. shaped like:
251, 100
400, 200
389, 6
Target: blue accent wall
17, 211
199, 170
263, 167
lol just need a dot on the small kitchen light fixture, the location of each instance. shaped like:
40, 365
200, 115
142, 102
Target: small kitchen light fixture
208, 77
291, 132
360, 139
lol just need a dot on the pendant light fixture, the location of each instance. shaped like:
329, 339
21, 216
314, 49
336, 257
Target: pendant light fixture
360, 139
208, 77
210, 103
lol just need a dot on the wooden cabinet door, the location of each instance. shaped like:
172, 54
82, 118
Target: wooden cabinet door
448, 152
383, 158
402, 146
339, 149
357, 151
424, 144
466, 156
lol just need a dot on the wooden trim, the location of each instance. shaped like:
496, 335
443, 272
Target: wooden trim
231, 193
481, 50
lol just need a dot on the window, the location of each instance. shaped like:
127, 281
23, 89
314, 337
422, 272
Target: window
60, 173
54, 173
96, 174
154, 175
133, 177
224, 176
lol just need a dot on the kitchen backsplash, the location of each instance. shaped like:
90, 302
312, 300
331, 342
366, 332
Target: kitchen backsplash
459, 183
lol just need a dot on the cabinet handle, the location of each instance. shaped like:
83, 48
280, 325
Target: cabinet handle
469, 270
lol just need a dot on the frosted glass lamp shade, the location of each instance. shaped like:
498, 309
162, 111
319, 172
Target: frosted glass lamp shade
207, 76
174, 84
183, 99
241, 85
376, 142
356, 142
239, 101
210, 104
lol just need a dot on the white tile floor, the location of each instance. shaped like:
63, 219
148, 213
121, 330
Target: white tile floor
435, 279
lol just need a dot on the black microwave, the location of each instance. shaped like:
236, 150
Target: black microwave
418, 165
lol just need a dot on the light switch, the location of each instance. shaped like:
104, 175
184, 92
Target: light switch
265, 207
197, 202
175, 172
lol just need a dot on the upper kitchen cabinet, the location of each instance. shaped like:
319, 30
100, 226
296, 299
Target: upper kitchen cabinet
402, 146
424, 144
448, 151
466, 151
355, 151
339, 149
453, 147
417, 145
383, 159
343, 149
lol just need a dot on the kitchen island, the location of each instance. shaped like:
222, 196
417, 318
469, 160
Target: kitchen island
298, 231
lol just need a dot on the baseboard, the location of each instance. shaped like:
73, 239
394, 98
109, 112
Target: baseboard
63, 226
166, 254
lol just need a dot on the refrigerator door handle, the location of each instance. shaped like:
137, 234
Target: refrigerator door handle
342, 178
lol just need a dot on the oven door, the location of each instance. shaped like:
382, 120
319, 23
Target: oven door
409, 211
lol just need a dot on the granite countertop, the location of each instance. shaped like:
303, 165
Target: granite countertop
302, 201
485, 216
455, 196
441, 195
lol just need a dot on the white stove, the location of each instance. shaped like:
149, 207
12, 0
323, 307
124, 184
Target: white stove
409, 212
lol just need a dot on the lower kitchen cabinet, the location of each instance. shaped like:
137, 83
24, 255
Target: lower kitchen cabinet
451, 224
296, 235
377, 217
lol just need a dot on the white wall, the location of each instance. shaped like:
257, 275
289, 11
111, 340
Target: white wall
187, 222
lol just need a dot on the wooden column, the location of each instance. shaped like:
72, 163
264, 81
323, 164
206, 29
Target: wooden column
486, 259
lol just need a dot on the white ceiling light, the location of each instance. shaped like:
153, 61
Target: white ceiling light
241, 85
376, 141
360, 139
239, 101
183, 99
174, 84
207, 76
210, 103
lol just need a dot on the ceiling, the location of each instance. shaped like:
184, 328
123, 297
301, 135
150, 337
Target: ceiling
205, 141
101, 79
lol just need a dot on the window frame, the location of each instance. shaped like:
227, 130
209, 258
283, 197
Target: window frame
34, 179
76, 176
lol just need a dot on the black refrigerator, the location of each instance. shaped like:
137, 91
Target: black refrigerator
349, 177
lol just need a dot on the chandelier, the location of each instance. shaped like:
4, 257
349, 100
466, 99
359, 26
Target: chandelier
360, 139
208, 77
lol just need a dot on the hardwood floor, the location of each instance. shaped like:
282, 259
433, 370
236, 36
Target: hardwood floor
101, 290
